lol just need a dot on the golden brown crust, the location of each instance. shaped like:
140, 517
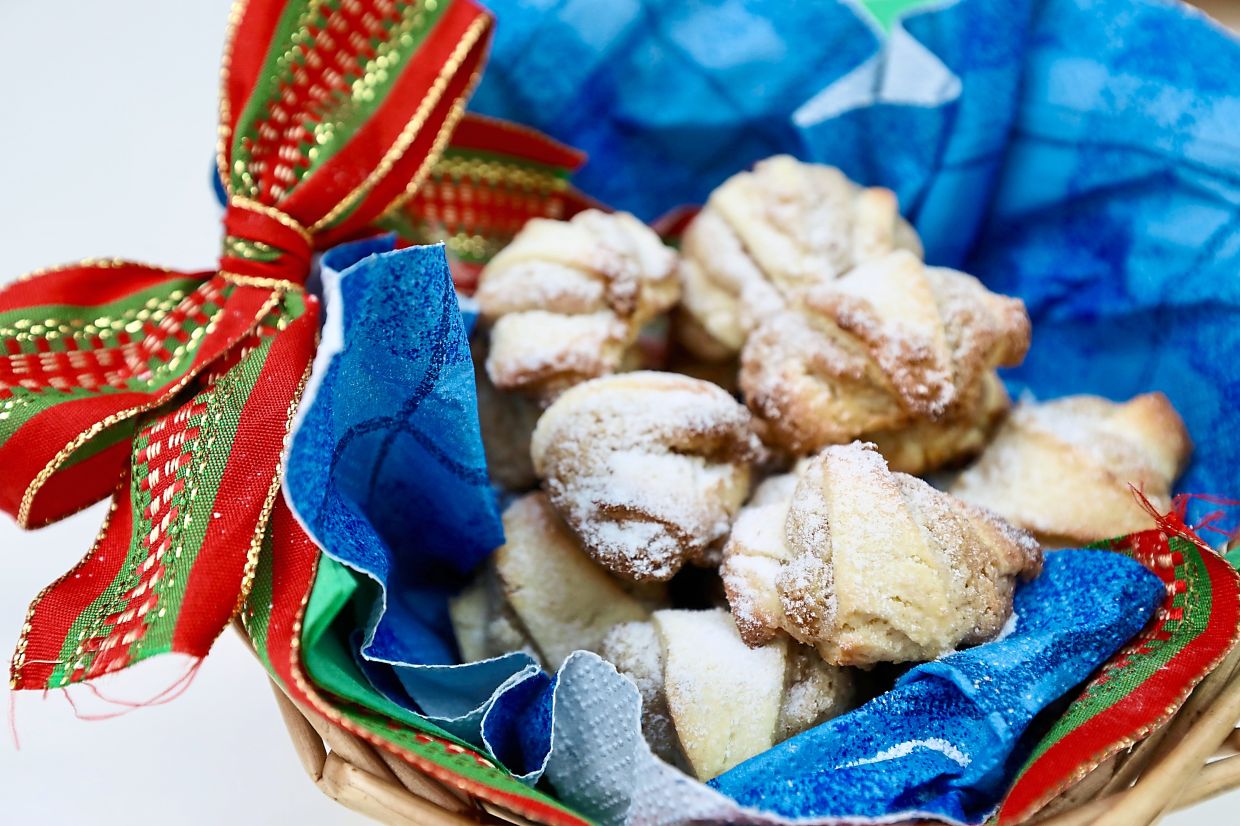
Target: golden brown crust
925, 445
766, 235
888, 307
648, 469
754, 555
549, 596
567, 299
812, 386
1062, 469
872, 566
843, 332
892, 351
984, 330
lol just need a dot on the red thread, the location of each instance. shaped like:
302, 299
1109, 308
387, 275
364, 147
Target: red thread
172, 692
169, 694
17, 741
1180, 504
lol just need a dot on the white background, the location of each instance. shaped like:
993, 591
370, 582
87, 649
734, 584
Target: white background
107, 134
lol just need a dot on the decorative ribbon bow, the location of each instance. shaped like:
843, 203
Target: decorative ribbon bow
332, 117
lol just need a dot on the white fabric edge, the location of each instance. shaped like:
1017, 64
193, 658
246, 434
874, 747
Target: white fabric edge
902, 71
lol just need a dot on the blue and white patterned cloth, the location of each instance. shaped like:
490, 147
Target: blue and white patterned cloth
1082, 155
386, 471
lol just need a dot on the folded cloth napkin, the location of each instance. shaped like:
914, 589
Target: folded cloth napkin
393, 391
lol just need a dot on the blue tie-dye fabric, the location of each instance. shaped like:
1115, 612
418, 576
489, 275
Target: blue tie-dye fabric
1065, 151
667, 98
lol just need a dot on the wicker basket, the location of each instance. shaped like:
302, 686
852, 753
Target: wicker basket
1195, 756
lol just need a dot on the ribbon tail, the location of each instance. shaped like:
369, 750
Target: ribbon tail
177, 554
1145, 683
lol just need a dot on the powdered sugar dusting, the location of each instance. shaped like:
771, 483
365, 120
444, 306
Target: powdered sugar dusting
873, 566
891, 350
766, 235
724, 697
890, 305
649, 469
1062, 468
568, 299
943, 747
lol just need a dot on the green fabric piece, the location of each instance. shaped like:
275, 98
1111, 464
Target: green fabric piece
334, 601
329, 665
886, 12
330, 615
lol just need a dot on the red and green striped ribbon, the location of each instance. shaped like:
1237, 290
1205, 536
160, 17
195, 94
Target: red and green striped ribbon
1147, 681
174, 391
168, 569
493, 178
85, 349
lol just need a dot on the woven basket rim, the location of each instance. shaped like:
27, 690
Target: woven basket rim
1195, 756
1192, 757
